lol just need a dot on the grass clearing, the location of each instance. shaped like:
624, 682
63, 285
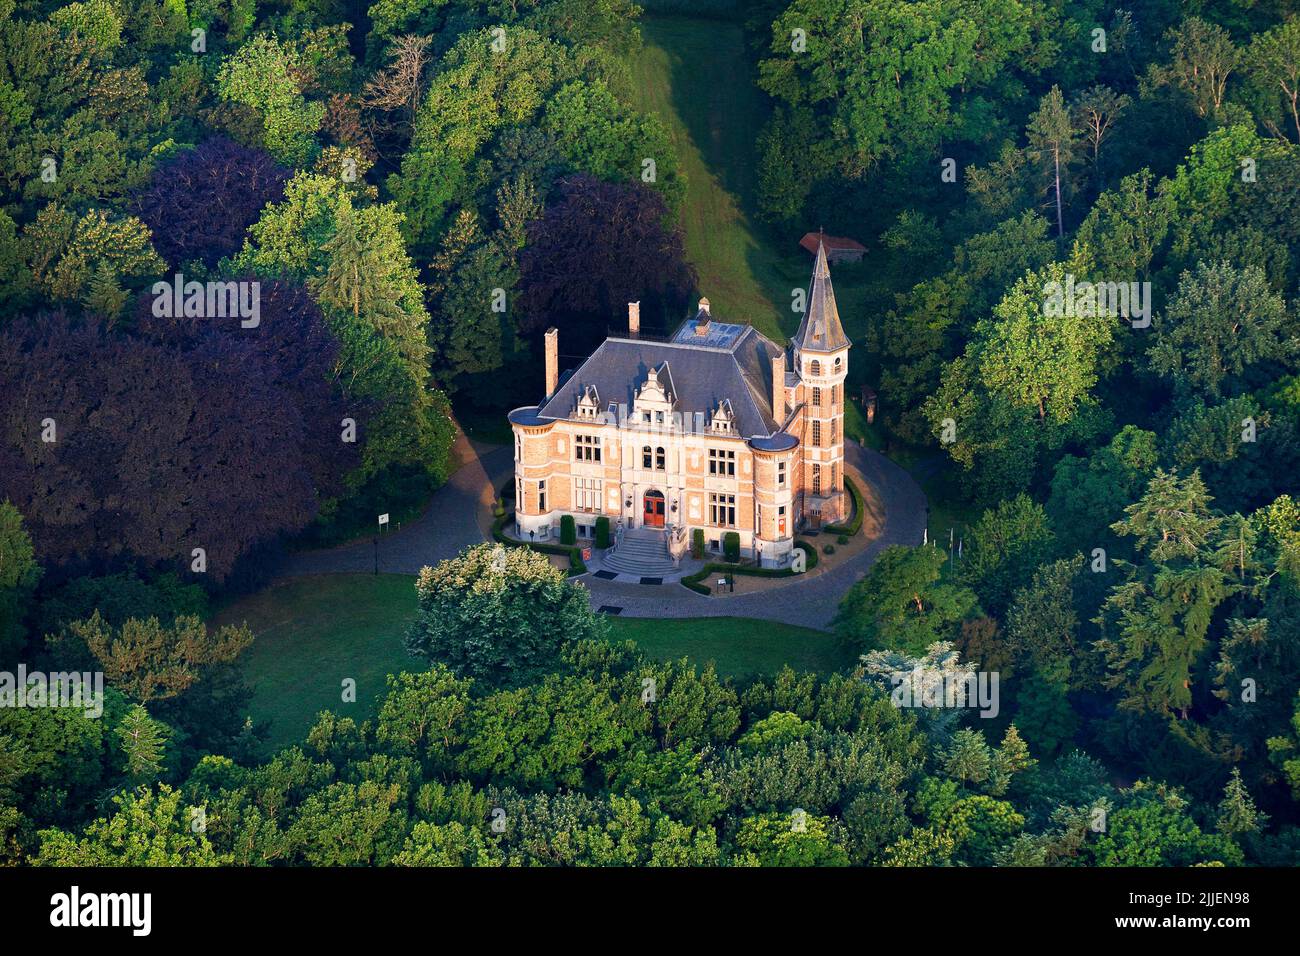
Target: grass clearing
696, 75
738, 646
313, 632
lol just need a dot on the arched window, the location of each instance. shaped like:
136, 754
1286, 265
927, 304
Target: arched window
815, 367
645, 457
659, 459
838, 362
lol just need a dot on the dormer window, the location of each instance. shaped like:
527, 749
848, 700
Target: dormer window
724, 420
588, 403
655, 399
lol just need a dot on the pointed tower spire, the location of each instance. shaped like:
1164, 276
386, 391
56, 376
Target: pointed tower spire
820, 330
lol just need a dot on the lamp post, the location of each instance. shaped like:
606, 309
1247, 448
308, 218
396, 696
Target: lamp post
383, 523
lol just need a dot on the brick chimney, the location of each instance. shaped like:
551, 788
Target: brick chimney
633, 319
778, 388
552, 360
702, 318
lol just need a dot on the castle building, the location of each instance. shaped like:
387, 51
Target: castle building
716, 428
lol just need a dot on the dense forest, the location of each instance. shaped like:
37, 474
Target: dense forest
417, 190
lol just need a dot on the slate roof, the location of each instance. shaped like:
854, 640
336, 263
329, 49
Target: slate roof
700, 377
820, 330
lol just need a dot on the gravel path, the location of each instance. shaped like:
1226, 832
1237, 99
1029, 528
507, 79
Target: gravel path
809, 602
460, 514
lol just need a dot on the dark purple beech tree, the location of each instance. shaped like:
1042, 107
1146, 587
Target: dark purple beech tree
143, 447
199, 205
597, 247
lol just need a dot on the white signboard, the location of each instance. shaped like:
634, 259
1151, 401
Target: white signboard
383, 518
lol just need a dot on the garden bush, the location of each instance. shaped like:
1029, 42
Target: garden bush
731, 546
854, 525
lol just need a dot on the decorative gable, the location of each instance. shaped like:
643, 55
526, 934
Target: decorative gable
723, 420
588, 406
655, 399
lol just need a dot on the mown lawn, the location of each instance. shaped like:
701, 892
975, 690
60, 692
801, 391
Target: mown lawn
313, 632
310, 634
738, 646
696, 76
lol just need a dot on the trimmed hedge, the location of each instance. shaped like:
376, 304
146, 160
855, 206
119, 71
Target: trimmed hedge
693, 581
602, 532
576, 564
697, 543
731, 546
568, 530
855, 525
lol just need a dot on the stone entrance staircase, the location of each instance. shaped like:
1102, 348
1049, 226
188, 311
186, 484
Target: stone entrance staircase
643, 552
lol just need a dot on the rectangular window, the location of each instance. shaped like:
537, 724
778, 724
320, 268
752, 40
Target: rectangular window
646, 460
780, 474
541, 495
817, 397
817, 479
722, 511
586, 494
722, 462
817, 434
586, 448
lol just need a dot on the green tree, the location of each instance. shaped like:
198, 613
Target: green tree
1089, 494
1220, 324
1152, 827
142, 739
1037, 356
1006, 544
903, 604
150, 661
1043, 625
260, 75
1272, 63
498, 614
1201, 60
19, 574
1155, 636
1237, 812
1054, 146
1172, 519
147, 829
795, 839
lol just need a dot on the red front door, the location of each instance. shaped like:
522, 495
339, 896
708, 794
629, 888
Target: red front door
654, 509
